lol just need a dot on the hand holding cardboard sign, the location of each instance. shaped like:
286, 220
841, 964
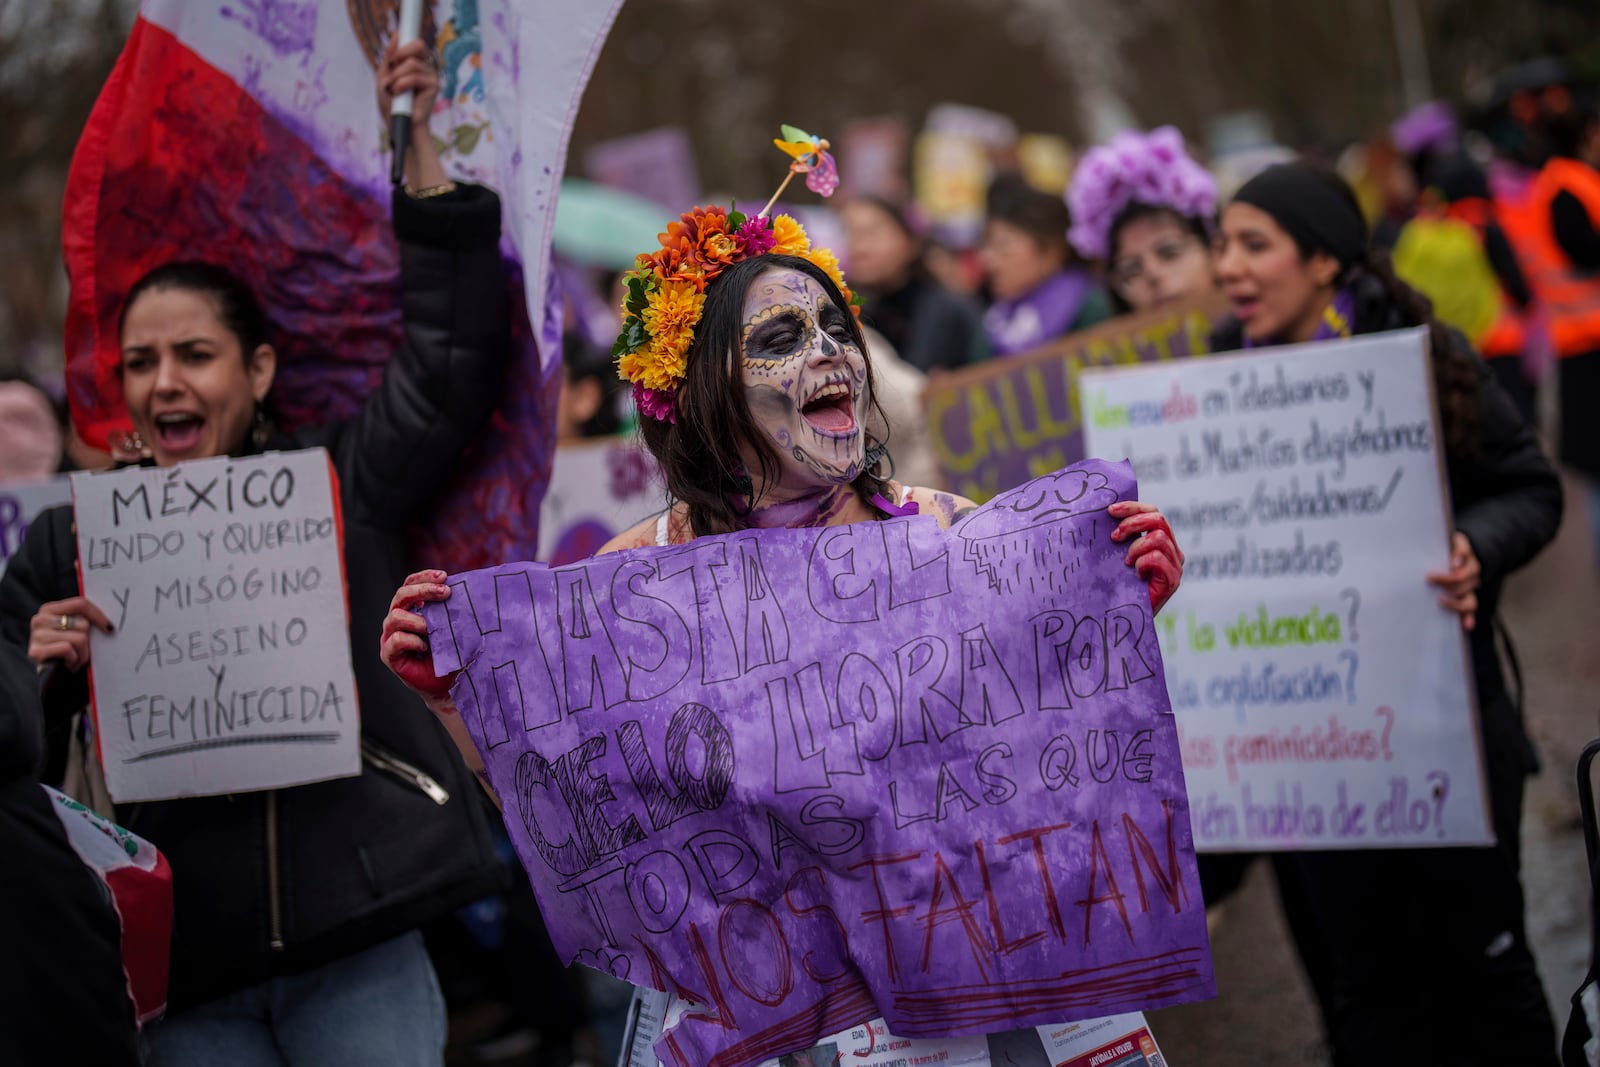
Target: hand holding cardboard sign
61, 631
1460, 582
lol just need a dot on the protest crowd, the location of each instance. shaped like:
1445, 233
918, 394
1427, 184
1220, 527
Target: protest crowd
338, 775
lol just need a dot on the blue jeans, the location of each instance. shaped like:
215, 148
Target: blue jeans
380, 1006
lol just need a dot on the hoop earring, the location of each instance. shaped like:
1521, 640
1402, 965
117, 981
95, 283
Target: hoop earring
127, 446
742, 485
260, 429
875, 455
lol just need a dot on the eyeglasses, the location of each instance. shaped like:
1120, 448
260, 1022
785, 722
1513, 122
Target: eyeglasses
1130, 269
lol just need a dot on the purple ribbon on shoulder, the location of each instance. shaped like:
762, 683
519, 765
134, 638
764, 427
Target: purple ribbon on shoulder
894, 511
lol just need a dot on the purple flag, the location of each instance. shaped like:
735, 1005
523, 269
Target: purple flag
802, 778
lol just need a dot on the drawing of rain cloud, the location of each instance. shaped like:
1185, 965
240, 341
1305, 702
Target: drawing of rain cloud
1020, 530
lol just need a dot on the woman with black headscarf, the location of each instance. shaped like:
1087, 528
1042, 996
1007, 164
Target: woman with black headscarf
1426, 952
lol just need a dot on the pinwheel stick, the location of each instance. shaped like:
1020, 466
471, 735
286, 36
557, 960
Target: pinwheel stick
787, 178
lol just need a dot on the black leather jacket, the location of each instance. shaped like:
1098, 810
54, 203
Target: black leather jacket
276, 882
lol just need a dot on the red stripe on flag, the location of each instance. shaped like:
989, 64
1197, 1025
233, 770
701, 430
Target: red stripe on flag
178, 161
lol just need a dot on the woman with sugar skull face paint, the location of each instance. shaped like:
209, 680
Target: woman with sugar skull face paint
753, 384
754, 387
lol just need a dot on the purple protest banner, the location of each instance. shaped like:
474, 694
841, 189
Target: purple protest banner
803, 778
998, 423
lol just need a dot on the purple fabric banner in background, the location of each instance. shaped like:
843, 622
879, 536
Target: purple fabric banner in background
803, 778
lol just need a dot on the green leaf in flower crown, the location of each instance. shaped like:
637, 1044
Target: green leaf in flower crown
856, 301
638, 295
735, 219
632, 338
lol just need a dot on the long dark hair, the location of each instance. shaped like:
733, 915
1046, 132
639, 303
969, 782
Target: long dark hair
1455, 368
700, 452
237, 305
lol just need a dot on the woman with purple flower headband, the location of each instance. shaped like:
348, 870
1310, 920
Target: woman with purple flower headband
1145, 209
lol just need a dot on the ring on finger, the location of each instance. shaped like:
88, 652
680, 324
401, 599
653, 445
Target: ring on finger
66, 622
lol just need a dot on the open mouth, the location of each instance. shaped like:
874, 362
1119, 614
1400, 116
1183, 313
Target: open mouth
178, 432
831, 411
1244, 308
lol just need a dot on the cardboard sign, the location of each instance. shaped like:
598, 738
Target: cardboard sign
19, 504
229, 670
597, 489
802, 778
1324, 697
998, 424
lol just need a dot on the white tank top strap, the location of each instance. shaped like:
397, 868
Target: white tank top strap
663, 534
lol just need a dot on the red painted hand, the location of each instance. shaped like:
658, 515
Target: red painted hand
404, 647
1154, 554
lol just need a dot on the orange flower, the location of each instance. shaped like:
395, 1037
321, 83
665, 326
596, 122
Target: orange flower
674, 264
791, 238
721, 249
693, 227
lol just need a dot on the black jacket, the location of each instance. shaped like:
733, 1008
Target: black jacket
61, 978
276, 882
1506, 497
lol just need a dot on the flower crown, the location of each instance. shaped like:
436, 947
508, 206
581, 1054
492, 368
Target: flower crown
1134, 167
666, 290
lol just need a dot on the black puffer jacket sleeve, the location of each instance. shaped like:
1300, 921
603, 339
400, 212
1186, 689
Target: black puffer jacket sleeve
440, 387
44, 568
1508, 496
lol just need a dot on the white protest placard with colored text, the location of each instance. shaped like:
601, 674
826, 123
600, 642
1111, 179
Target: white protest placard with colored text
229, 668
1323, 695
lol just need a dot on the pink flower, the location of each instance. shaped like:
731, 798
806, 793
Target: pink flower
757, 236
658, 404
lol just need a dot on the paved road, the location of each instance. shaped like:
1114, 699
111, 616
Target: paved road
1264, 1013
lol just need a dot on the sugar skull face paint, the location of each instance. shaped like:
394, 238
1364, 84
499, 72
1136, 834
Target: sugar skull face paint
805, 379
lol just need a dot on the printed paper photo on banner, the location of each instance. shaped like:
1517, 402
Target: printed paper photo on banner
868, 1045
999, 423
804, 778
597, 489
229, 666
1115, 1039
1323, 696
248, 134
19, 504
